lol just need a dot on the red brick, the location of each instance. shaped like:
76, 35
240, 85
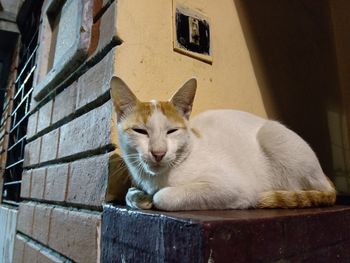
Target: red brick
31, 253
46, 257
18, 251
71, 60
97, 7
43, 52
36, 254
104, 2
32, 125
3, 160
41, 223
64, 103
74, 234
88, 181
32, 153
2, 131
90, 131
49, 146
25, 217
38, 183
26, 183
107, 27
45, 114
96, 80
56, 183
27, 251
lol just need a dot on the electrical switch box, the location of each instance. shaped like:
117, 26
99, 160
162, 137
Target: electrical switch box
192, 33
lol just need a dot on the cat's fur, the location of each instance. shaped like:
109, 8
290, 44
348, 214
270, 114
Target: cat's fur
221, 159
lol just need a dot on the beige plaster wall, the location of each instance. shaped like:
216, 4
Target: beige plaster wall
147, 62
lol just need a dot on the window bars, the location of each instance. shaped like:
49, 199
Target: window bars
23, 88
18, 130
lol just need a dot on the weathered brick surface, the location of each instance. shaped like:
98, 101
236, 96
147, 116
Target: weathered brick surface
56, 182
107, 27
32, 124
2, 131
45, 114
104, 2
64, 103
96, 80
38, 183
47, 257
25, 217
72, 58
41, 223
43, 52
18, 251
97, 7
30, 254
49, 146
3, 160
74, 234
88, 181
26, 183
90, 131
34, 253
32, 152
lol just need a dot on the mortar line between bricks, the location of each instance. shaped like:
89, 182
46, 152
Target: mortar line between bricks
43, 247
48, 231
40, 148
68, 181
71, 158
44, 190
99, 101
30, 183
32, 220
58, 143
86, 209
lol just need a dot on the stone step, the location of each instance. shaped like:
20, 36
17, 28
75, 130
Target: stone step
279, 235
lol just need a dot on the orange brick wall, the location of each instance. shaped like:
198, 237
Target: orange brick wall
66, 159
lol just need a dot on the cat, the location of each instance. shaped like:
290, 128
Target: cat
221, 159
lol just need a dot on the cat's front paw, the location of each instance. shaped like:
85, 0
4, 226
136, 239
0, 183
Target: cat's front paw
138, 199
167, 199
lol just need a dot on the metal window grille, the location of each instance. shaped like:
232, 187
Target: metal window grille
21, 107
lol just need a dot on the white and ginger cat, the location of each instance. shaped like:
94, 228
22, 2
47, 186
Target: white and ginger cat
221, 159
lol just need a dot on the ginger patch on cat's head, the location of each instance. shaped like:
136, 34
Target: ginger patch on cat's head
169, 110
128, 107
140, 114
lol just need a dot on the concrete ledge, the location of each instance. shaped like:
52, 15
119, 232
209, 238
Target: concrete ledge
307, 235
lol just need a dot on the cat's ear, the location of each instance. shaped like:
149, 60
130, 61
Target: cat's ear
122, 97
183, 98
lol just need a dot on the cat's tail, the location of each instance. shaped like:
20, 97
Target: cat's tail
296, 199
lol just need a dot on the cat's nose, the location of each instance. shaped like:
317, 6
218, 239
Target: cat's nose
158, 155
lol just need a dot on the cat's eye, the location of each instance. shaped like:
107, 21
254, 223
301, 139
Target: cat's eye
172, 131
140, 131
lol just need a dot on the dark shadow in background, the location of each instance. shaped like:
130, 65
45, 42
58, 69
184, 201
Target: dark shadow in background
7, 45
290, 43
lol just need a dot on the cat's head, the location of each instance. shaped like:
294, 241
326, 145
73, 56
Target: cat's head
154, 136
